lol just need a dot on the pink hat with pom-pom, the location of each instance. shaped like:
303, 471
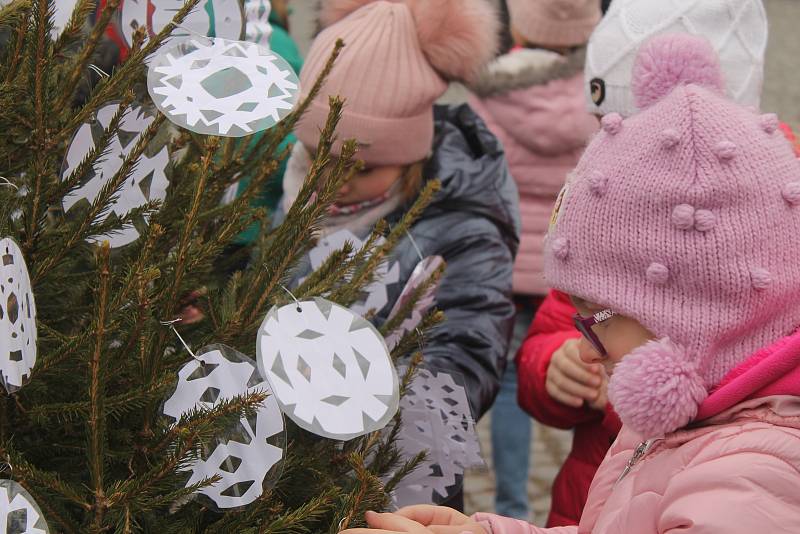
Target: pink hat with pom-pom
694, 233
398, 58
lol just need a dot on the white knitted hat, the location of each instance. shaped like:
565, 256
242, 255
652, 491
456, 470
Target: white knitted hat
737, 29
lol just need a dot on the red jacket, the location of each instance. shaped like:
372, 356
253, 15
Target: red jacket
595, 431
787, 131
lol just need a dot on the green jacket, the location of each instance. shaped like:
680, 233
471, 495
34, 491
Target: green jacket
282, 44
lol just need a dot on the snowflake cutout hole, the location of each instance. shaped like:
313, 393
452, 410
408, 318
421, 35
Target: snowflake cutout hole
19, 512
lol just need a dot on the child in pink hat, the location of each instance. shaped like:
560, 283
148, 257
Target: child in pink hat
399, 58
677, 239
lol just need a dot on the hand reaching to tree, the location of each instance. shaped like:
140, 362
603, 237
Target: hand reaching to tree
573, 382
420, 519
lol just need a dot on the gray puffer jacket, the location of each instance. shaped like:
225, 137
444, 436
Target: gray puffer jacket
473, 223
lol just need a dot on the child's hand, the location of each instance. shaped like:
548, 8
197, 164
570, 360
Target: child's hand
602, 397
422, 519
571, 381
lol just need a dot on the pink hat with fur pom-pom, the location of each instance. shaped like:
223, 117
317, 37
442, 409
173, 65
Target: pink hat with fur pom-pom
694, 234
398, 59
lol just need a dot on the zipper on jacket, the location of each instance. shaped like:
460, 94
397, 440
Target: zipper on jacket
640, 452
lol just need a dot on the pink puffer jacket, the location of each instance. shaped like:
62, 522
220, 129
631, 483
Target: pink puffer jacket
533, 101
736, 472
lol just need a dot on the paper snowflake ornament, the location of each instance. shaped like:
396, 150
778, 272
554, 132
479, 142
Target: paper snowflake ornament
214, 18
247, 458
375, 295
19, 513
257, 26
329, 368
17, 318
222, 87
437, 420
147, 182
419, 276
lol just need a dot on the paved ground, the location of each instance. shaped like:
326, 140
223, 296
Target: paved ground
548, 450
549, 447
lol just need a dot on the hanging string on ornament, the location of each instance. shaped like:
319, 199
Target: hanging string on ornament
216, 86
246, 458
299, 308
100, 72
8, 183
330, 369
17, 318
19, 511
171, 325
147, 182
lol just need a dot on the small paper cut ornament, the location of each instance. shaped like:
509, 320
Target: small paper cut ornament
213, 18
257, 26
329, 368
421, 274
248, 458
436, 419
147, 182
17, 318
222, 87
19, 513
376, 294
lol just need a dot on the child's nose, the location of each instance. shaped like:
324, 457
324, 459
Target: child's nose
588, 353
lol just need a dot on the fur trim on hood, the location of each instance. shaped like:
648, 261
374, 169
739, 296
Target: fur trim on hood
520, 69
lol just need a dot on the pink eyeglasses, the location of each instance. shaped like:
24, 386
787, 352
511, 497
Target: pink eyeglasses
585, 324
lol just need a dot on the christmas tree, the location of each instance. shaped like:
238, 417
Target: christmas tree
86, 436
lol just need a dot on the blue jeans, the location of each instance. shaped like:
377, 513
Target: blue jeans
511, 434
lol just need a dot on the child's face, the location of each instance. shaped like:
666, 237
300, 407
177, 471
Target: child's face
369, 184
620, 335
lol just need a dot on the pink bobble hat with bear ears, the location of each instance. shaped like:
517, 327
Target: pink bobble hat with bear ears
686, 218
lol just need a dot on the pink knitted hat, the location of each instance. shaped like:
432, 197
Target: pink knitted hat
686, 218
555, 22
398, 58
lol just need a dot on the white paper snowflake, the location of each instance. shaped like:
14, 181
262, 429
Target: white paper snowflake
437, 420
222, 87
19, 513
375, 295
257, 26
421, 274
329, 368
147, 182
17, 318
245, 456
219, 18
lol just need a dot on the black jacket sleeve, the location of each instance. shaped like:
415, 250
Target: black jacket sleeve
476, 297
